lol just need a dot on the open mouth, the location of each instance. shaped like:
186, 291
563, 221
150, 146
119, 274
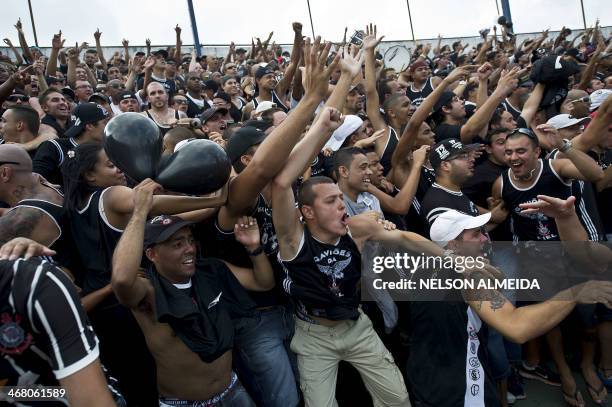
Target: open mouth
366, 180
344, 219
188, 261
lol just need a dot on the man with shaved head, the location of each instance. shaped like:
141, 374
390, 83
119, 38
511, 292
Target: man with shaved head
36, 206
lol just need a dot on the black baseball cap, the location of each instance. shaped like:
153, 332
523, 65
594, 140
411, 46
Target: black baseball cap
86, 113
447, 150
67, 91
126, 94
161, 228
161, 52
97, 97
241, 51
263, 70
242, 140
208, 113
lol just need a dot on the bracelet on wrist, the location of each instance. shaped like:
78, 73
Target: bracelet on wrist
258, 250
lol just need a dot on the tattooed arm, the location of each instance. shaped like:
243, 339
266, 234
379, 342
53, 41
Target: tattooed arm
519, 324
21, 222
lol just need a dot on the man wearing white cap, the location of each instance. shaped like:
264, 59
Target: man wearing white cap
457, 327
598, 97
568, 125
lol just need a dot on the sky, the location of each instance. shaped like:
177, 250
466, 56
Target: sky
220, 22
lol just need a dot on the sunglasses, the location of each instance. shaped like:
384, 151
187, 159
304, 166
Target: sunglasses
584, 99
523, 131
15, 98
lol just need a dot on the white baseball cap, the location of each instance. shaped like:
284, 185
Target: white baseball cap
450, 224
564, 120
598, 97
350, 125
263, 106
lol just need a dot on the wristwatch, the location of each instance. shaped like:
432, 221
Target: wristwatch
255, 252
567, 144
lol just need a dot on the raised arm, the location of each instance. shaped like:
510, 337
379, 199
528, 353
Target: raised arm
126, 49
591, 67
261, 276
73, 60
97, 36
575, 164
56, 44
597, 130
284, 83
272, 153
179, 43
372, 104
482, 116
530, 108
285, 217
128, 288
23, 43
18, 59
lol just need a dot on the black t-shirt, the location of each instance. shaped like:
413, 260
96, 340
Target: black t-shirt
44, 328
50, 156
445, 130
448, 364
392, 143
478, 189
323, 279
439, 200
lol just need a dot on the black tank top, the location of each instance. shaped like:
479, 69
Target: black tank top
95, 239
275, 99
417, 96
385, 160
586, 206
414, 220
536, 226
163, 129
324, 278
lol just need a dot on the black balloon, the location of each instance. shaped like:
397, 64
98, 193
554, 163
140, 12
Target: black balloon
134, 144
199, 167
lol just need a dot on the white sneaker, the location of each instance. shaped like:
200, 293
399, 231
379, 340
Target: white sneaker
511, 398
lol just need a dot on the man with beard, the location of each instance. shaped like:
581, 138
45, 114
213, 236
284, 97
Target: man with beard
354, 102
56, 120
163, 116
128, 102
527, 177
460, 376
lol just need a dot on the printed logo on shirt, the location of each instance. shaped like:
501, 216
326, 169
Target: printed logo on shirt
332, 263
13, 339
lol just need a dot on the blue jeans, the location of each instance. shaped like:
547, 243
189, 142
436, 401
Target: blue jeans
262, 357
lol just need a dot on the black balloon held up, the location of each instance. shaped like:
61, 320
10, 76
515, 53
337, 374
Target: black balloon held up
134, 144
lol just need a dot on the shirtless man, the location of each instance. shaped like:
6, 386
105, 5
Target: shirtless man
193, 361
35, 204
